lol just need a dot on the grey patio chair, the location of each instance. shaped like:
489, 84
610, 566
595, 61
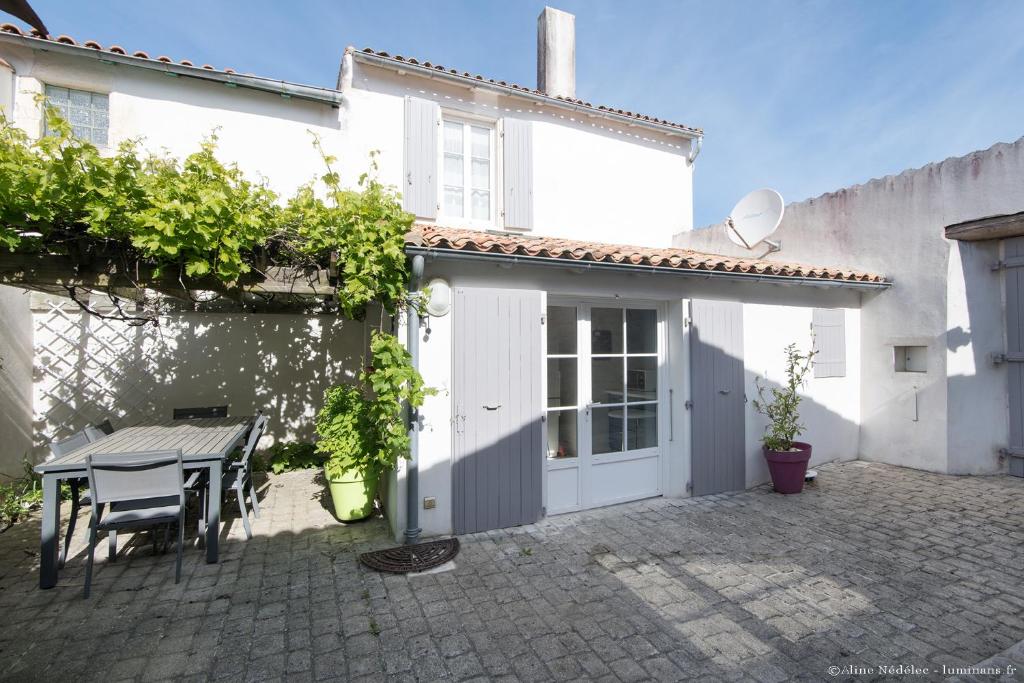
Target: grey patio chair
238, 478
142, 490
59, 449
195, 413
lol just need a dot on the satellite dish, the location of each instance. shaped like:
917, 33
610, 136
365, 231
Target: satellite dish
755, 218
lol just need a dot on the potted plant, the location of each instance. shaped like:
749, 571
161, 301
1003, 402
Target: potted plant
364, 437
347, 439
787, 458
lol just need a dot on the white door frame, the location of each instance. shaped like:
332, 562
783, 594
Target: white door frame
585, 460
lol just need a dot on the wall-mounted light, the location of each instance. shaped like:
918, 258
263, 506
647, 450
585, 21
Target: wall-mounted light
440, 301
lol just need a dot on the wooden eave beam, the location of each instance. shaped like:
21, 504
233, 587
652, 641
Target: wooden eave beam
990, 228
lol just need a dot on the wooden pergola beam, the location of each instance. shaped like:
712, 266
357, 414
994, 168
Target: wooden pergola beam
47, 270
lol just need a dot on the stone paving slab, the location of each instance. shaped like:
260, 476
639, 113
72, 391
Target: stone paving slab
874, 566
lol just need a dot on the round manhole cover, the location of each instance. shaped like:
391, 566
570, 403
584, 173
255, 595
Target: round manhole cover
412, 558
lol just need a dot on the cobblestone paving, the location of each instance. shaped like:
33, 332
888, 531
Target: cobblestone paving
875, 565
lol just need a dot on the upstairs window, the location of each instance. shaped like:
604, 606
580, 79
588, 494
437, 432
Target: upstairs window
87, 112
467, 190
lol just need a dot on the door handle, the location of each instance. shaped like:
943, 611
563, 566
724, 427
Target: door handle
494, 407
723, 392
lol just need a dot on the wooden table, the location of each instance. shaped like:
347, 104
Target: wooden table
205, 444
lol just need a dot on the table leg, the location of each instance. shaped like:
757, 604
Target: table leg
213, 512
50, 532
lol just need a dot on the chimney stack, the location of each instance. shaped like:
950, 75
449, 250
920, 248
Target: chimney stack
556, 53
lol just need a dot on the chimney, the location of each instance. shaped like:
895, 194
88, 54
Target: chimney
556, 53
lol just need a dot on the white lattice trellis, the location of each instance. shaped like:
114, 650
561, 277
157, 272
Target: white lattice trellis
86, 369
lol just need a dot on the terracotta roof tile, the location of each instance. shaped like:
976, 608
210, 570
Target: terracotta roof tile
113, 49
457, 239
533, 91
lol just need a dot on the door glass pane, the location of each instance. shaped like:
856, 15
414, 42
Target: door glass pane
641, 331
641, 426
561, 324
561, 382
606, 380
642, 379
606, 430
562, 434
606, 330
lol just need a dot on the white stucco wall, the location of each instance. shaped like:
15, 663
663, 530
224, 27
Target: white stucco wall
89, 369
15, 380
592, 179
953, 417
266, 135
6, 89
830, 409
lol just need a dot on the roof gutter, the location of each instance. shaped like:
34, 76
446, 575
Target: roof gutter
540, 98
283, 88
822, 283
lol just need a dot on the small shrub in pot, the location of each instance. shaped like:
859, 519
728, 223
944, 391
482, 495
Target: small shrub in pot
787, 458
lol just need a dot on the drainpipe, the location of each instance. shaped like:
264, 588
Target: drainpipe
412, 472
695, 145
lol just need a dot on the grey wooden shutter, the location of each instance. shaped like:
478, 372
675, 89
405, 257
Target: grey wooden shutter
718, 422
1013, 250
498, 454
517, 167
829, 326
419, 193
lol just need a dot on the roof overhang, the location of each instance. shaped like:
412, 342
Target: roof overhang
531, 96
269, 85
990, 228
604, 266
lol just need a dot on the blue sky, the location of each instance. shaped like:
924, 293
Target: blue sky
802, 96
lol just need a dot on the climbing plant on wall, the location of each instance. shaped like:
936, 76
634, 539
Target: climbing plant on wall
198, 220
200, 223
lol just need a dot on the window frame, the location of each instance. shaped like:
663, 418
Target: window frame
468, 122
92, 94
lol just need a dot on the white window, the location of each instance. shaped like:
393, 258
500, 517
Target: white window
87, 112
467, 190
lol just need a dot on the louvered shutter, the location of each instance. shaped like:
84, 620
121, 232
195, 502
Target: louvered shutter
419, 194
517, 167
829, 327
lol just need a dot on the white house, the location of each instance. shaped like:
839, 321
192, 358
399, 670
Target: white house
572, 373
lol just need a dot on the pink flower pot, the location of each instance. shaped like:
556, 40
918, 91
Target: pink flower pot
788, 468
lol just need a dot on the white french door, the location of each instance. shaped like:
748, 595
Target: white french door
604, 397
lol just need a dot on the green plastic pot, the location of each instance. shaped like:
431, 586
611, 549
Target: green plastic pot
353, 493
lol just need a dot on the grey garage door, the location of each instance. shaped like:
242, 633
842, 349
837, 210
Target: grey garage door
499, 448
718, 452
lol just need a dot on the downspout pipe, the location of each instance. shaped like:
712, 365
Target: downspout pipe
412, 471
695, 145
